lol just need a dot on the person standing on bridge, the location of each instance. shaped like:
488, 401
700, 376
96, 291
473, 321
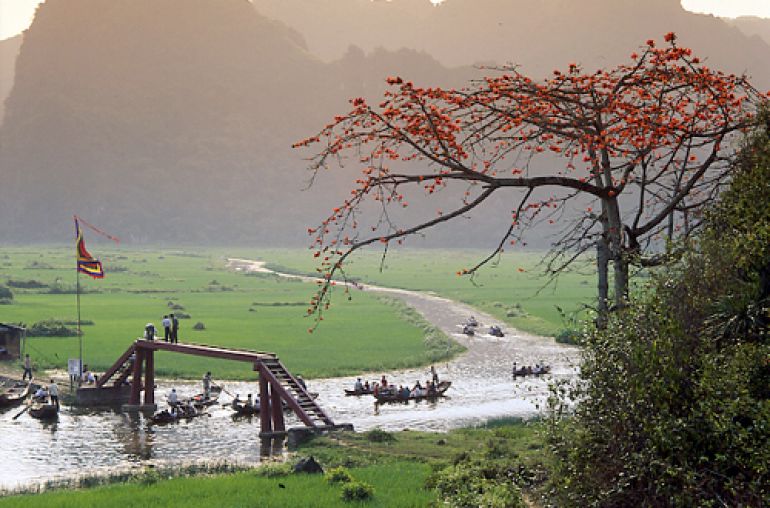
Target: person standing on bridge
166, 328
174, 329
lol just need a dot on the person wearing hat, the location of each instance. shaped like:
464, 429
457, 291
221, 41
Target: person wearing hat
149, 331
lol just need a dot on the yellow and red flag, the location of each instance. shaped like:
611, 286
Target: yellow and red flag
86, 263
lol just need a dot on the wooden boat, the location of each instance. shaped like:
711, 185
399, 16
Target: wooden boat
495, 331
199, 400
524, 371
166, 416
15, 393
243, 409
392, 396
43, 409
357, 393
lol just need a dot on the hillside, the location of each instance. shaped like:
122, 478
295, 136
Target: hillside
9, 50
172, 120
540, 35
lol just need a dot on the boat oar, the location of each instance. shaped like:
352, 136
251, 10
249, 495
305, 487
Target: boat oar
20, 413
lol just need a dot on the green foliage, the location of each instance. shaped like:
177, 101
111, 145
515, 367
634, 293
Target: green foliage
476, 482
6, 295
26, 284
272, 470
51, 328
674, 407
338, 475
357, 491
379, 436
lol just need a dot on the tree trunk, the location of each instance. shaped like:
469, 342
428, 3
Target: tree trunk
602, 270
617, 253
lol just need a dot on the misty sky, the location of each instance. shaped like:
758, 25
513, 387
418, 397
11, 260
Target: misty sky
16, 15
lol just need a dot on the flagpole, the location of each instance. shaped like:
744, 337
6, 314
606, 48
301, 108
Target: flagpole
80, 334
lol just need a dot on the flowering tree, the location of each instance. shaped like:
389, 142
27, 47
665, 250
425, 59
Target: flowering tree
641, 147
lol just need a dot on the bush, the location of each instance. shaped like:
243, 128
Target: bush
478, 482
379, 436
673, 401
27, 284
51, 328
566, 336
357, 491
274, 470
338, 475
199, 326
6, 295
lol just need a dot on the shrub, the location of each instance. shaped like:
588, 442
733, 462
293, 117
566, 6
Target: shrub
357, 491
338, 475
26, 284
51, 328
274, 470
567, 336
6, 295
199, 326
379, 436
473, 483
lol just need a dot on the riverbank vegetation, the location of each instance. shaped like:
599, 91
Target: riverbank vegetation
404, 469
675, 406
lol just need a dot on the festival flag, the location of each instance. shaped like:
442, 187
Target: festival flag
87, 264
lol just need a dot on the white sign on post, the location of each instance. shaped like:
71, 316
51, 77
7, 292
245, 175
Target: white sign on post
73, 367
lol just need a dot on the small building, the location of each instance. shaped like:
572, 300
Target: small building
10, 341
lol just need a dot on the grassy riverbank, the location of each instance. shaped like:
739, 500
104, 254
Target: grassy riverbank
514, 290
402, 469
238, 310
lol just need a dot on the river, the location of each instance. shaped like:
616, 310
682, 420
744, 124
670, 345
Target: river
91, 442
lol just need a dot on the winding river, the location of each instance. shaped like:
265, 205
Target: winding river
88, 442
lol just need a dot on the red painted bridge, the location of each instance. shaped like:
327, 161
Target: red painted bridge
276, 383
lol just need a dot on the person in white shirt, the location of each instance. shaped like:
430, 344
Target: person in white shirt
53, 391
173, 398
166, 328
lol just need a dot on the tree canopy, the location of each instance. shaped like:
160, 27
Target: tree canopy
642, 148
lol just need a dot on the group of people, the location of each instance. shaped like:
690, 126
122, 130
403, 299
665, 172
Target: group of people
170, 329
45, 392
528, 369
249, 403
402, 391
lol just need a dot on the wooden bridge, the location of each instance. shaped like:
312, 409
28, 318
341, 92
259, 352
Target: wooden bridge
276, 384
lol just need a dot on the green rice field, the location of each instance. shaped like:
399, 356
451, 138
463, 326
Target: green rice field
512, 289
265, 312
260, 312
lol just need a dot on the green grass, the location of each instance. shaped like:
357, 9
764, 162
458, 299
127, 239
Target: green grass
256, 312
496, 289
396, 468
395, 484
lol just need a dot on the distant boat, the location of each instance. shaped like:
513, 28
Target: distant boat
14, 393
392, 396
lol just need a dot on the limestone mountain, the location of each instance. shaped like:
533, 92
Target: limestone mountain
539, 35
173, 120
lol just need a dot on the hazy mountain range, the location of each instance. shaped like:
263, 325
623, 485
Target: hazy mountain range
172, 120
